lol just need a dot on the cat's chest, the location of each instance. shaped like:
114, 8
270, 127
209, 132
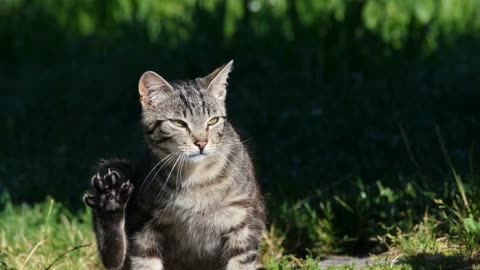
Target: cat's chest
195, 209
197, 222
191, 224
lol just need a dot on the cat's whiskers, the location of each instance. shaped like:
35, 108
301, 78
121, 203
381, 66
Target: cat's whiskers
158, 164
180, 169
172, 156
168, 177
246, 140
224, 161
184, 165
187, 166
222, 148
222, 143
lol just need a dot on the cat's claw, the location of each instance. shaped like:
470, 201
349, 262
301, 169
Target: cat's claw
109, 192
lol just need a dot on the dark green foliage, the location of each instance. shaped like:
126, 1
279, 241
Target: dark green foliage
324, 92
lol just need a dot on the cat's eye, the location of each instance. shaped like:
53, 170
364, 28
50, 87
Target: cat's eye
179, 123
212, 121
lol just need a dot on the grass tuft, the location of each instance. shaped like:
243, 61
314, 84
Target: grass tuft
45, 236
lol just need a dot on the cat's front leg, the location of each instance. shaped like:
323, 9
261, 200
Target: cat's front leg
146, 247
108, 198
240, 250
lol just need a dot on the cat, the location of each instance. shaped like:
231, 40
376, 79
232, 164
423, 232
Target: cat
193, 202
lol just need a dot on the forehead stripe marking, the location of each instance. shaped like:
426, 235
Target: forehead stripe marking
203, 100
184, 100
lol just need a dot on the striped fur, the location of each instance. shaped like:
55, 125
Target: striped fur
191, 207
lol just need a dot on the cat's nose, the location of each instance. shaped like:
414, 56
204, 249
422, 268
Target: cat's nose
201, 145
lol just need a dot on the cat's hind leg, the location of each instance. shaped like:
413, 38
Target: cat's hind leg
108, 198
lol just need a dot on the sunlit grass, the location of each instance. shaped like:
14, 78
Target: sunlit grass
47, 236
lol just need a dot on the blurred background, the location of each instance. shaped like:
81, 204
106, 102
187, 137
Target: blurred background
356, 112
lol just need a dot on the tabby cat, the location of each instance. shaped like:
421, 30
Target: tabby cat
193, 201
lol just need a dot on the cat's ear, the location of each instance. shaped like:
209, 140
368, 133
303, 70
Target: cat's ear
153, 88
217, 81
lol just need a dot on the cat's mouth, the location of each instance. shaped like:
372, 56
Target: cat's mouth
197, 157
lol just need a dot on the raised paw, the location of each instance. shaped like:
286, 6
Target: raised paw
110, 192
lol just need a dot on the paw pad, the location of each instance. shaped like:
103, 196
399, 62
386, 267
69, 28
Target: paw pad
110, 192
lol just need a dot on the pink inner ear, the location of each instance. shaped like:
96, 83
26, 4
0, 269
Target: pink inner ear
143, 92
152, 85
217, 80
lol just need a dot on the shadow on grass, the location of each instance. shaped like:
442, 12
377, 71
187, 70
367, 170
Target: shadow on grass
3, 264
439, 262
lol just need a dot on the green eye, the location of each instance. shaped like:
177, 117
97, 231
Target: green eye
179, 123
212, 121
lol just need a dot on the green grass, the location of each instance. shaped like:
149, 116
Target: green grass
48, 236
45, 236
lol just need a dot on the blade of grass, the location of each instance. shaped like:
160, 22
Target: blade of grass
457, 177
31, 254
64, 254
